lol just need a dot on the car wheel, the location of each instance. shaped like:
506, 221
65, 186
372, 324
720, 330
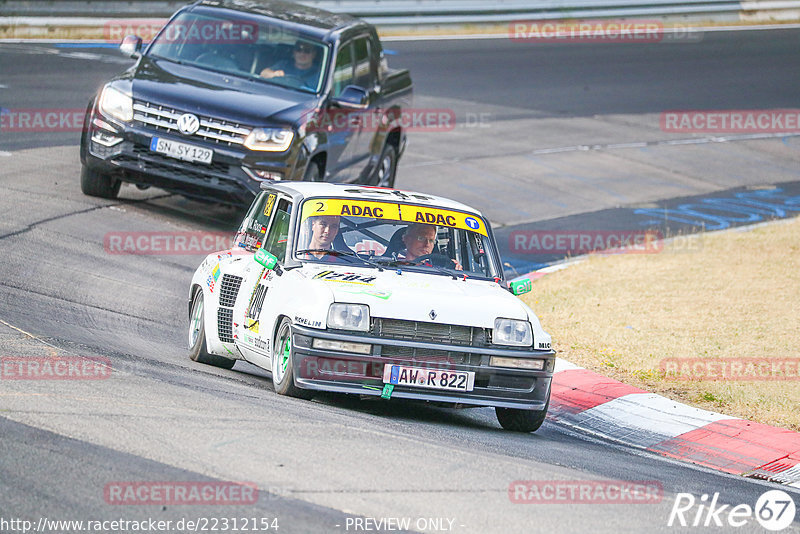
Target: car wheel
521, 420
97, 184
197, 336
313, 173
282, 368
387, 167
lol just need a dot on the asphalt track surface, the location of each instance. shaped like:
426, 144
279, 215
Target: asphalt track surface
319, 464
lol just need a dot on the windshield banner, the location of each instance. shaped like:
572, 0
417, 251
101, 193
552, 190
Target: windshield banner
393, 211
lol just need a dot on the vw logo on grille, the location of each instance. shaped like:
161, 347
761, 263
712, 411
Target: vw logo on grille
188, 124
432, 315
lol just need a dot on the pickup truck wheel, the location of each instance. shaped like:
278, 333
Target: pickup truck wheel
97, 184
282, 368
521, 420
197, 336
313, 173
387, 167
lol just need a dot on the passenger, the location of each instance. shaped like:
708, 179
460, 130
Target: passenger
300, 66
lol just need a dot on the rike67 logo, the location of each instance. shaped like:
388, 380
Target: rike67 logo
774, 510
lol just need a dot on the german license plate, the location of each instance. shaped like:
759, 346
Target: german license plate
183, 151
400, 375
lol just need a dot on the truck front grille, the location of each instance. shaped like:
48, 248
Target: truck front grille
165, 119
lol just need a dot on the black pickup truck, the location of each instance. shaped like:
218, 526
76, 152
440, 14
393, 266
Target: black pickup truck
231, 93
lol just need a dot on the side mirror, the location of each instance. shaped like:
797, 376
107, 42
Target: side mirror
270, 261
353, 97
131, 46
520, 287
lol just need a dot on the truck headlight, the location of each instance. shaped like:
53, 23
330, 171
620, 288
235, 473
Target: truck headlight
269, 139
512, 332
115, 103
348, 316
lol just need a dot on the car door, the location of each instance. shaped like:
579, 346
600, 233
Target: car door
342, 123
252, 336
365, 76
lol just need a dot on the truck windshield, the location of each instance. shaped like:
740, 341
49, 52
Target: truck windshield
395, 235
242, 47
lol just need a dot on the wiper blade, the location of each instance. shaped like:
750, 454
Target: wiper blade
441, 270
340, 253
397, 262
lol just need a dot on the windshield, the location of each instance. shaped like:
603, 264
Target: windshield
255, 50
395, 235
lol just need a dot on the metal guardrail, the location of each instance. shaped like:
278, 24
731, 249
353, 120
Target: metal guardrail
406, 12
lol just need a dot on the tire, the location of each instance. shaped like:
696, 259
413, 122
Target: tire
313, 173
282, 360
386, 170
197, 336
97, 184
517, 420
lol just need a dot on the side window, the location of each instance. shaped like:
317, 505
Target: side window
278, 234
363, 70
251, 233
343, 71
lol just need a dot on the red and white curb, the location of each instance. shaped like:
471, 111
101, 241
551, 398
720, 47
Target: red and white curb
607, 408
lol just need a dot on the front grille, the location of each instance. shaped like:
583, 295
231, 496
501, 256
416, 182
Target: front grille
228, 290
224, 324
170, 168
154, 158
165, 118
423, 355
430, 332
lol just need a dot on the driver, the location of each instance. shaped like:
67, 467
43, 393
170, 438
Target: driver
301, 65
419, 240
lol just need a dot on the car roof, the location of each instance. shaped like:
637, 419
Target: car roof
324, 189
289, 12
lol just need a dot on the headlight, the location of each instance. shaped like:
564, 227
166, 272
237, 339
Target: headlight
348, 316
512, 332
269, 139
117, 104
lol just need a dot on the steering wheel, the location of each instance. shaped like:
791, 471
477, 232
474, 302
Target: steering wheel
293, 80
437, 260
215, 60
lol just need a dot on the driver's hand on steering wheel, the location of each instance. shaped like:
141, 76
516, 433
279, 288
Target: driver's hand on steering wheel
269, 73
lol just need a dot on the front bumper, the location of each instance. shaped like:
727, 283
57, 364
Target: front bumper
346, 372
230, 177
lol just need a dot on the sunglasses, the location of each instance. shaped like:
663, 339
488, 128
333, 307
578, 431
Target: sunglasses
303, 49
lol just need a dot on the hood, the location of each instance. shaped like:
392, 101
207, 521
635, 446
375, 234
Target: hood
413, 296
221, 96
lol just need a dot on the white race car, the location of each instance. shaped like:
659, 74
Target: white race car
373, 291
